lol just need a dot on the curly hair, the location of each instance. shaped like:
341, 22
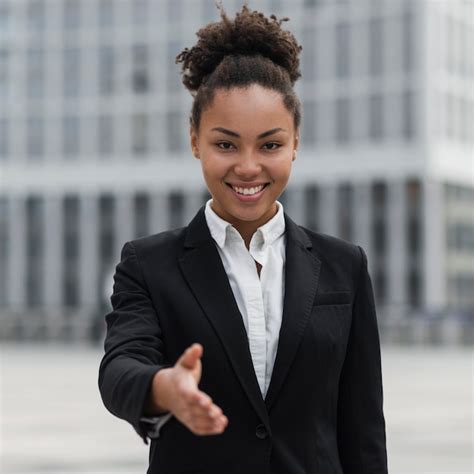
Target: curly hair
251, 49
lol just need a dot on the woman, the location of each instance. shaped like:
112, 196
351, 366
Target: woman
244, 343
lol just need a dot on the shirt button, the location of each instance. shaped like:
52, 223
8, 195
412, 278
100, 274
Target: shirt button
261, 432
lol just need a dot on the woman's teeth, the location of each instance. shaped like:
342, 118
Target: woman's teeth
248, 191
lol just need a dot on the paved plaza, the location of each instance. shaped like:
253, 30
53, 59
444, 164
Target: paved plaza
53, 421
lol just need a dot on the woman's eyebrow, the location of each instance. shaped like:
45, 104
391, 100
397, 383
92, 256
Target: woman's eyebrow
235, 134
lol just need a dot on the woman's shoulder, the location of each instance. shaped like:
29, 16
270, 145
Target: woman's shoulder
166, 242
331, 248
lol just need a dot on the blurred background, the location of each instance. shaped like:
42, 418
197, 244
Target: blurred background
94, 151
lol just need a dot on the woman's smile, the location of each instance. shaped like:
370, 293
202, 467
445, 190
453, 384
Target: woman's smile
248, 193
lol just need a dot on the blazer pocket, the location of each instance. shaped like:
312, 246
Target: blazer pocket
332, 298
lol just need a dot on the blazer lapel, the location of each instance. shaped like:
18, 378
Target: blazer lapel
203, 269
302, 270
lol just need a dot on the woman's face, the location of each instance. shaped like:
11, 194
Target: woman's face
246, 143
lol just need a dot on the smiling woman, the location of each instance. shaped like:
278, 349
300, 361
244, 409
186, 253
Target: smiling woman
243, 342
246, 143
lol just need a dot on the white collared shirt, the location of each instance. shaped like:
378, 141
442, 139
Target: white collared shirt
259, 299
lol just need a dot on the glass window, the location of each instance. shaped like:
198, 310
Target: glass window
71, 227
449, 116
345, 200
176, 209
4, 139
71, 14
309, 122
140, 11
106, 70
107, 216
379, 212
71, 288
342, 49
71, 136
106, 12
408, 115
309, 55
450, 44
5, 17
408, 39
173, 73
106, 228
71, 71
466, 236
140, 145
174, 130
376, 46
451, 237
413, 190
413, 230
35, 13
380, 286
343, 120
34, 250
105, 135
35, 137
35, 73
467, 122
459, 124
4, 83
4, 245
71, 250
380, 236
379, 198
324, 130
34, 210
376, 117
140, 78
414, 294
312, 200
142, 215
175, 10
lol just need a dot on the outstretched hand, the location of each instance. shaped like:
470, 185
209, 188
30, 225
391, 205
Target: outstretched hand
176, 389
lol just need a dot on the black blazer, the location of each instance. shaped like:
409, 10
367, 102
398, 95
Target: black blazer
323, 412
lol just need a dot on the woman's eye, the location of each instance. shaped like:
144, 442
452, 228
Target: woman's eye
272, 145
224, 145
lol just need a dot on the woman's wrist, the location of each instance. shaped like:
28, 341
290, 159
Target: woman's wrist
156, 402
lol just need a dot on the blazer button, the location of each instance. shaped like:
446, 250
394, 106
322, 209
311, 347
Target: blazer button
261, 432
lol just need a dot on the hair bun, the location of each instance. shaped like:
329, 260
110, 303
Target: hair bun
250, 33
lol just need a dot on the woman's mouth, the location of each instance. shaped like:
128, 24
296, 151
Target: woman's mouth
248, 194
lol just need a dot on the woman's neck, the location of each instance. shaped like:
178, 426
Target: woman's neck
246, 229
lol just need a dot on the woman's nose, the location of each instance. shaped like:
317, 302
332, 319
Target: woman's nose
247, 164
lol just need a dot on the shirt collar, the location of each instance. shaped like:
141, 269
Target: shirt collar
220, 229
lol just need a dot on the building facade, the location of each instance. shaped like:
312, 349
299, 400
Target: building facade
94, 147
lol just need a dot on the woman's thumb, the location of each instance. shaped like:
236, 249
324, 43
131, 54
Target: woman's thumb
191, 355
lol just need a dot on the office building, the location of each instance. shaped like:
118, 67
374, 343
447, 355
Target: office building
94, 146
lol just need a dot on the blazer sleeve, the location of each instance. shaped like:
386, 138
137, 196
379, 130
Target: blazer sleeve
361, 423
133, 344
155, 423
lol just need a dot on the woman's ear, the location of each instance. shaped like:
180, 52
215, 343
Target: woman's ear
194, 142
295, 145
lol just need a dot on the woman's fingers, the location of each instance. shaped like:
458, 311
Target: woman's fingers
208, 426
190, 356
201, 415
194, 408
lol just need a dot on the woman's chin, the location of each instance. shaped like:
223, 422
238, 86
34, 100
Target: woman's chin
248, 214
